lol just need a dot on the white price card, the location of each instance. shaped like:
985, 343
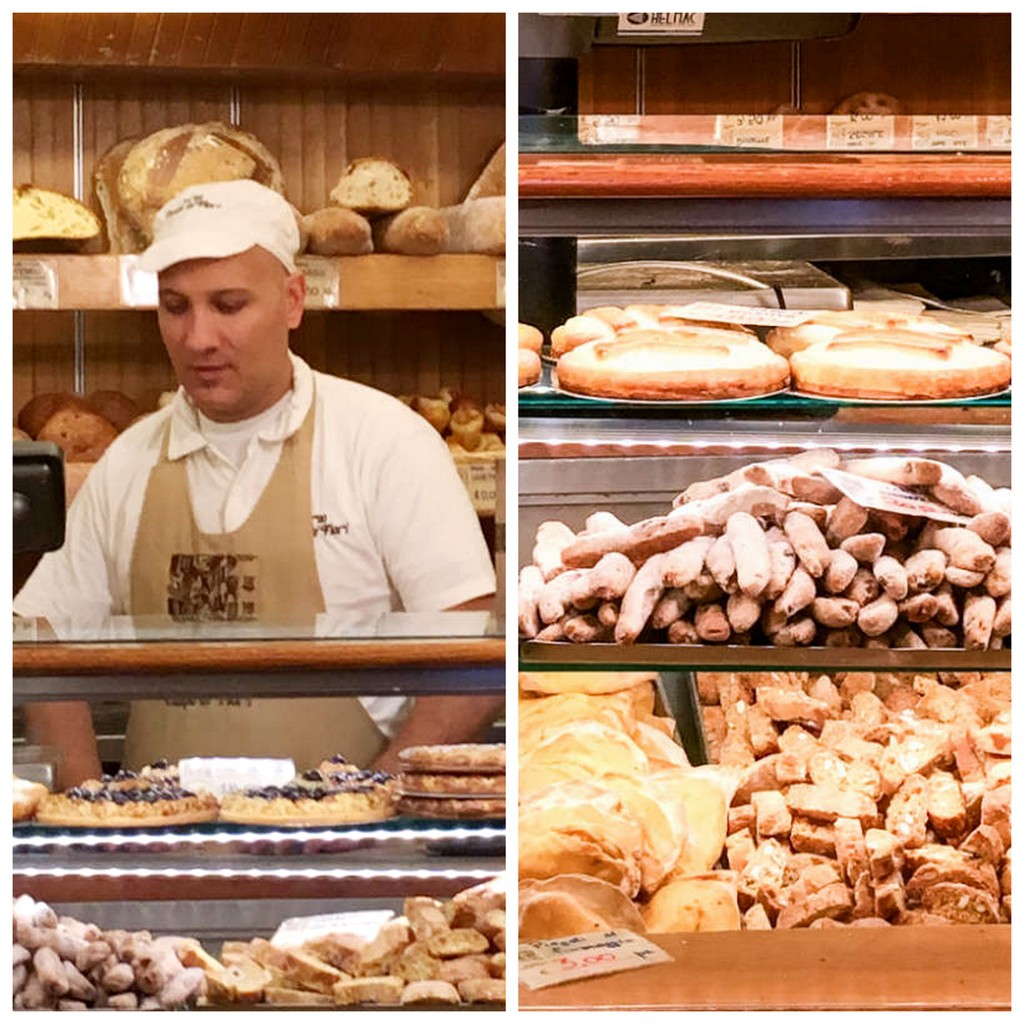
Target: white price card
757, 316
997, 131
296, 930
860, 131
650, 24
554, 961
25, 628
480, 478
608, 129
139, 288
944, 131
749, 131
35, 285
499, 285
323, 283
890, 498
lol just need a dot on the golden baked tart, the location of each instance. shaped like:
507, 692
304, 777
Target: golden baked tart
98, 805
898, 365
606, 323
682, 364
830, 323
451, 807
454, 757
451, 784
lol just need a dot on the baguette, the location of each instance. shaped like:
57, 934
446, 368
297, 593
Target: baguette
415, 231
335, 231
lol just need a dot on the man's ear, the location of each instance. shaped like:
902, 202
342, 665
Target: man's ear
296, 285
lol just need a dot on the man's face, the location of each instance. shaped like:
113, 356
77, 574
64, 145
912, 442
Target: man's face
225, 324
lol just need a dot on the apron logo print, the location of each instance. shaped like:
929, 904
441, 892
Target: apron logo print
322, 528
203, 588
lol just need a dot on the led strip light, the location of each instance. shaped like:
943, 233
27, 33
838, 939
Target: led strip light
365, 874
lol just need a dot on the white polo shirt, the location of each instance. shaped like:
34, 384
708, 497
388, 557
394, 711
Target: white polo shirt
393, 526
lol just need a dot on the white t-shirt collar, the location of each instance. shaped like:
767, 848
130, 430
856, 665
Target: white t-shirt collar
187, 436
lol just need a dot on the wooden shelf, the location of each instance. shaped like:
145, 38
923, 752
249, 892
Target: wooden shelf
775, 175
964, 967
348, 283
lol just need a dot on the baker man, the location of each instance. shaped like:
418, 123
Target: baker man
265, 492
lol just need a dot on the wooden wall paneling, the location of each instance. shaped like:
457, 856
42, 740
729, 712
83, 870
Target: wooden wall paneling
42, 131
123, 351
607, 80
43, 354
932, 63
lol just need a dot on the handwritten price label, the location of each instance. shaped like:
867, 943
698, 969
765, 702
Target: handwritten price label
997, 131
35, 285
889, 498
749, 131
860, 131
944, 131
555, 961
323, 284
758, 316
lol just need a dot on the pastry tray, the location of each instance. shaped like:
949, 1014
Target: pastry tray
733, 657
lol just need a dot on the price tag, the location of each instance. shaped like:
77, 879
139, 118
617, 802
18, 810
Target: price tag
860, 131
296, 930
889, 497
25, 628
139, 288
223, 775
499, 285
758, 316
323, 283
35, 285
480, 478
997, 131
749, 131
554, 961
944, 131
660, 24
608, 130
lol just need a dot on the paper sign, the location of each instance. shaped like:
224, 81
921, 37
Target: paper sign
297, 930
323, 284
661, 24
860, 131
890, 498
480, 478
609, 130
944, 131
749, 131
35, 285
997, 131
499, 285
139, 288
756, 315
223, 775
554, 961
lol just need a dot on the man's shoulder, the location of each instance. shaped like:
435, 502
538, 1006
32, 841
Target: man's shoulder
353, 408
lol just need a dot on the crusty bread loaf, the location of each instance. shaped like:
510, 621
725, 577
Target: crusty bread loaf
41, 213
83, 435
373, 186
122, 235
477, 225
416, 231
336, 231
573, 905
21, 435
38, 409
491, 181
114, 406
162, 164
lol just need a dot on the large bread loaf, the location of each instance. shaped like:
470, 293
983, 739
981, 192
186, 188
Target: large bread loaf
41, 213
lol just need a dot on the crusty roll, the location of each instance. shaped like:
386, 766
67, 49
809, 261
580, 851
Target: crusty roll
83, 435
530, 337
416, 231
529, 367
335, 231
373, 186
38, 409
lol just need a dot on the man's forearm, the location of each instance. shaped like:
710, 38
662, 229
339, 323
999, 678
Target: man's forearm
442, 720
67, 727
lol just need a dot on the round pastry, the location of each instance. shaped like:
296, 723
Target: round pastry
899, 365
313, 799
681, 364
437, 784
101, 806
529, 367
829, 324
530, 338
26, 797
448, 807
37, 410
454, 757
83, 435
606, 323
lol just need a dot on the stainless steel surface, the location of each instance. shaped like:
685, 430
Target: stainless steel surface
488, 679
756, 659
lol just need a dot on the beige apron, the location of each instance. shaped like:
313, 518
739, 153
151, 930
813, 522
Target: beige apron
265, 571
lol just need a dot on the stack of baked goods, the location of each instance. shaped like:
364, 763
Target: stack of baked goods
876, 355
461, 421
438, 952
775, 553
616, 829
460, 780
655, 353
61, 963
865, 799
530, 342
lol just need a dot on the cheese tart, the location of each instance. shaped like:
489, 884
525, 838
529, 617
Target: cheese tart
900, 365
830, 323
690, 364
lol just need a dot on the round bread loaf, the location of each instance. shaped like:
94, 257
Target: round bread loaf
530, 338
38, 409
21, 435
373, 186
114, 406
83, 435
529, 367
335, 231
707, 904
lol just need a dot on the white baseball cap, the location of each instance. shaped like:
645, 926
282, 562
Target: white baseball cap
222, 218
